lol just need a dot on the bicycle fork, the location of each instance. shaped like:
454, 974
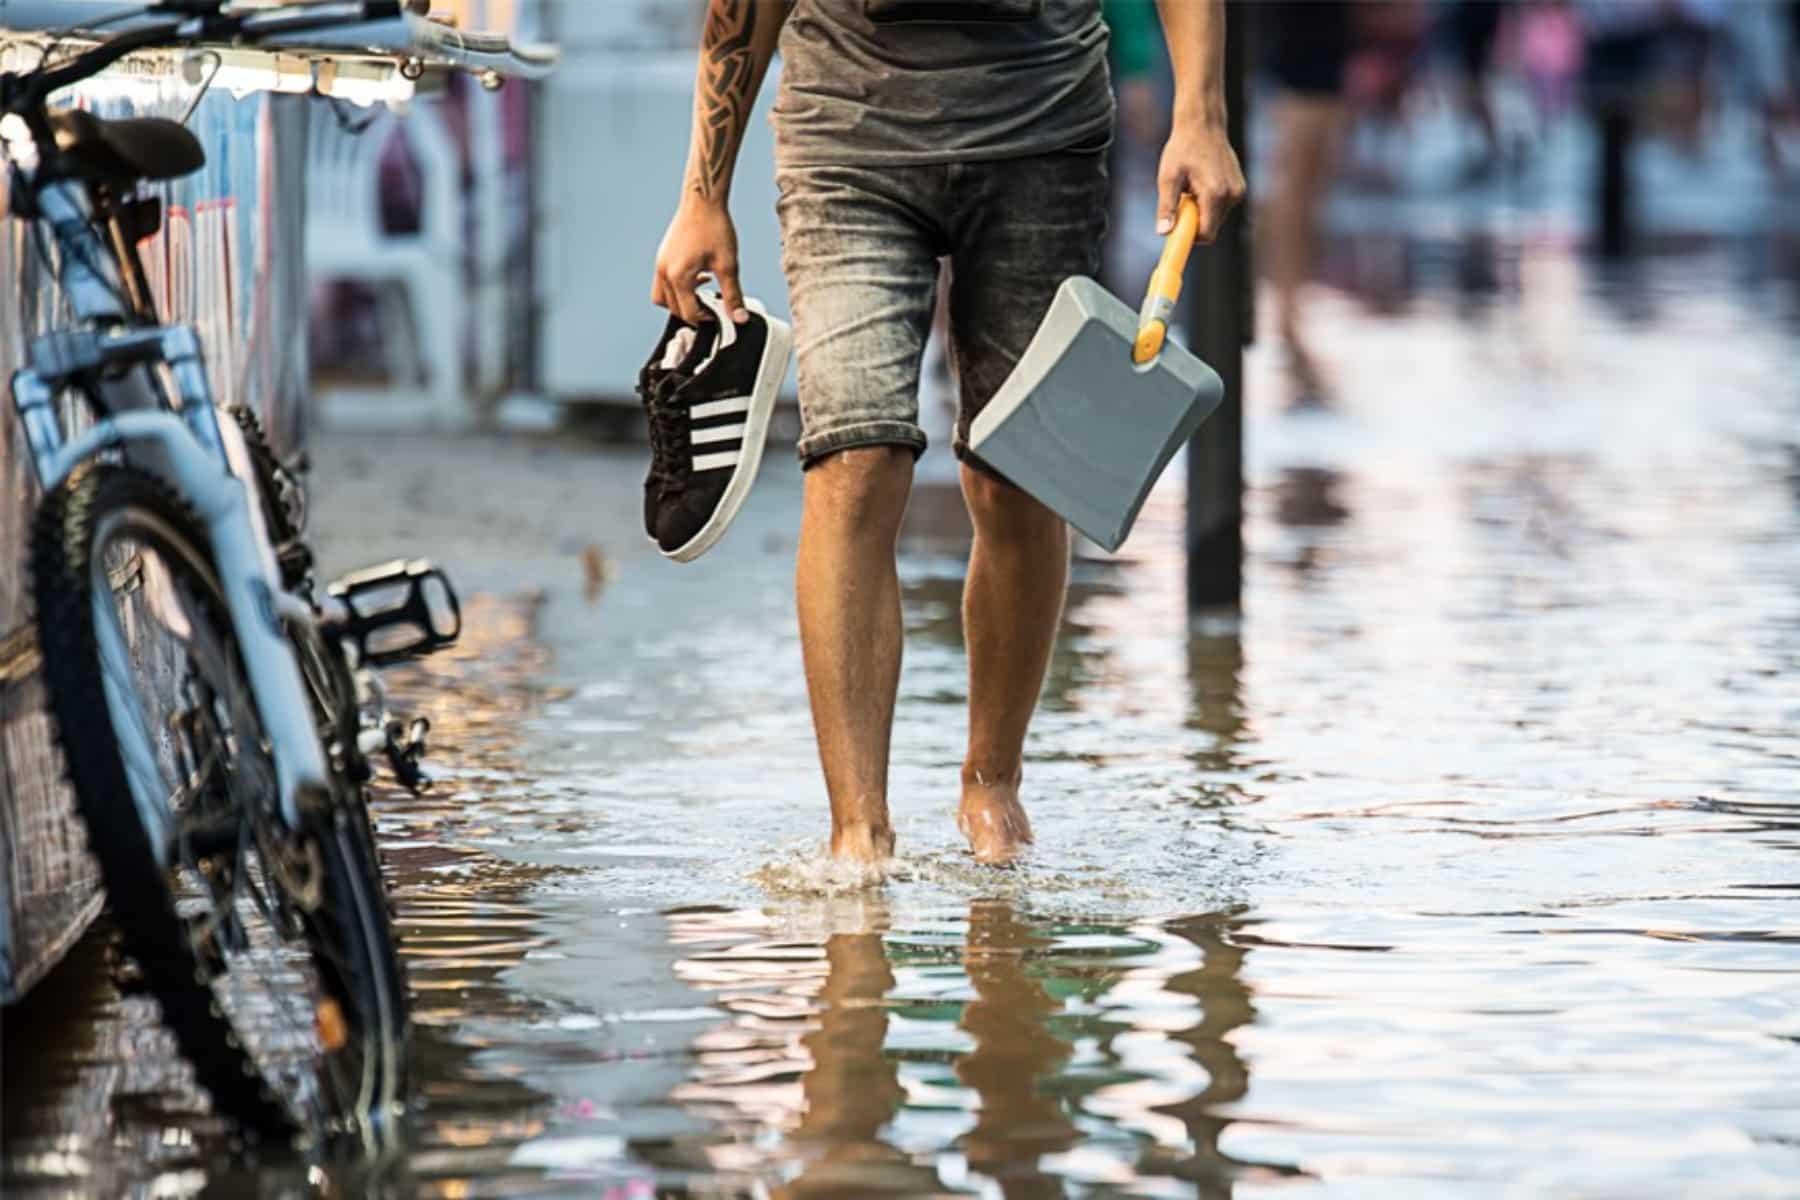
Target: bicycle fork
188, 451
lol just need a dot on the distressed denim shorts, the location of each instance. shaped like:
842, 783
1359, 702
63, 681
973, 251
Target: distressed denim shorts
860, 247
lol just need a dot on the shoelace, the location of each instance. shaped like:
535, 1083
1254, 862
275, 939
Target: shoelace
669, 429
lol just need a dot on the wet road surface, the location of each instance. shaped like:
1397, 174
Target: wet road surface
1464, 864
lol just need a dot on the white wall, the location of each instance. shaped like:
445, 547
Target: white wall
612, 137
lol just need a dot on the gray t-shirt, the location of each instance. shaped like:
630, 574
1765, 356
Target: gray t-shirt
873, 82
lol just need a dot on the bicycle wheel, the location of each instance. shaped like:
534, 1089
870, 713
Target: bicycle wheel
269, 949
332, 687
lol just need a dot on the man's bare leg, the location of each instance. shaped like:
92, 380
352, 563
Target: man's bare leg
848, 594
1012, 605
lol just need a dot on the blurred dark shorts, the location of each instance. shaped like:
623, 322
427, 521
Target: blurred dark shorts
1307, 44
860, 248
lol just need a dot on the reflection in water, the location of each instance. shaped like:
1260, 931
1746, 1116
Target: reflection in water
1217, 983
986, 1052
1019, 1123
463, 911
851, 1090
1308, 505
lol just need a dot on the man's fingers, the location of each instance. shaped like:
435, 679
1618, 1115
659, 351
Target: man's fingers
729, 290
675, 291
1212, 215
1168, 195
688, 305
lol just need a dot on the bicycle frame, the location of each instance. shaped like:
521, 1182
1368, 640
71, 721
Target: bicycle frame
111, 359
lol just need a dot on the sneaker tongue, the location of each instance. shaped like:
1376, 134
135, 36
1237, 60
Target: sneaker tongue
727, 327
679, 347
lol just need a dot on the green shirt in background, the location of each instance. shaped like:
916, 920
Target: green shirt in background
1136, 36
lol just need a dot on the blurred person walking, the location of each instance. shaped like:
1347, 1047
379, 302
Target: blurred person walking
1622, 40
1308, 48
906, 130
1475, 29
1550, 53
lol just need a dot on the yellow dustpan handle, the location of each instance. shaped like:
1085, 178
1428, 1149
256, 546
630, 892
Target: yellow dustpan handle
1165, 284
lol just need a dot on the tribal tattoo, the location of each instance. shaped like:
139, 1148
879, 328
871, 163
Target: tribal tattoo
728, 73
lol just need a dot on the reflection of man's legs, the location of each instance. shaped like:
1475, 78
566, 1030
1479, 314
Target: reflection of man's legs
1015, 1050
1030, 224
861, 271
852, 1090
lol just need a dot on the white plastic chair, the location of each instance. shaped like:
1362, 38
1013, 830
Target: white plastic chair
424, 337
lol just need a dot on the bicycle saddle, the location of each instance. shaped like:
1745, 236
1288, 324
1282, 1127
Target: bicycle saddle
128, 150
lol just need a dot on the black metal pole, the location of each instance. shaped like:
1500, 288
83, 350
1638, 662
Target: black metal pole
1614, 191
1220, 304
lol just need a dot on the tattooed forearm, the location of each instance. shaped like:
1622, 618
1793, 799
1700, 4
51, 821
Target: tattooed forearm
731, 67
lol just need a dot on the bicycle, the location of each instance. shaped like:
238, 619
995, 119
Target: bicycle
215, 707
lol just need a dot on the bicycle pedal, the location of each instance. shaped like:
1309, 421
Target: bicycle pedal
396, 612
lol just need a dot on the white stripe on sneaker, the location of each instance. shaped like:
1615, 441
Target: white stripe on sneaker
720, 408
715, 462
718, 433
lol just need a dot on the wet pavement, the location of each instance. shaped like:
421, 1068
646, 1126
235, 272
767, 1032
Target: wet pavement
1464, 864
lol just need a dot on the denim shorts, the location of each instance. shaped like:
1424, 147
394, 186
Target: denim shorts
860, 248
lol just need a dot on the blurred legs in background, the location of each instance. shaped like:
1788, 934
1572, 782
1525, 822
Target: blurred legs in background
1308, 46
1307, 132
1476, 26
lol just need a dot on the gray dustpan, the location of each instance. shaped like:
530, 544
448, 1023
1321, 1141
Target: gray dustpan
1081, 426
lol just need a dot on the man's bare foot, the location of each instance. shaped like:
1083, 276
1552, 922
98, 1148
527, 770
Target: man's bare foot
862, 843
994, 821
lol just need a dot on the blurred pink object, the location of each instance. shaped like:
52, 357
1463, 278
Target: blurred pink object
1551, 54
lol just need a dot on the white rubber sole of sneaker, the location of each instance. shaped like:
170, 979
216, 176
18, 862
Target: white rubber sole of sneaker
769, 376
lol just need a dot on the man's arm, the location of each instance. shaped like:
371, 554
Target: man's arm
1198, 159
735, 47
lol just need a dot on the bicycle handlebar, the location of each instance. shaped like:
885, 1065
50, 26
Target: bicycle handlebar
197, 22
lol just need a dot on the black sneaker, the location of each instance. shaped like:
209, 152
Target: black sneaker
709, 391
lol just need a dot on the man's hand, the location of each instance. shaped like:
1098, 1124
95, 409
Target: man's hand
700, 241
736, 43
1198, 161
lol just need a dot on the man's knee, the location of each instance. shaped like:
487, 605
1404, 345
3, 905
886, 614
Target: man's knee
999, 509
862, 485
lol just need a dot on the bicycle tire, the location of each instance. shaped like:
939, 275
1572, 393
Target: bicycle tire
347, 938
333, 690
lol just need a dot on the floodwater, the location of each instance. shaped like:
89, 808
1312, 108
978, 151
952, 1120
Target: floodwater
1465, 864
